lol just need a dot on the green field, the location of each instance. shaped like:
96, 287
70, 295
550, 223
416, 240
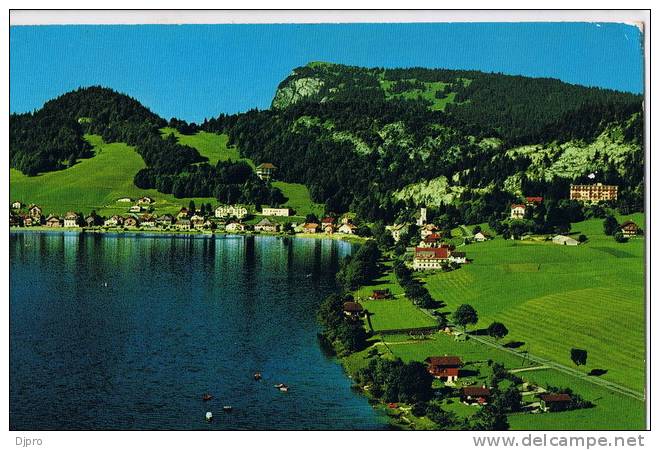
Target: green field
97, 182
612, 411
553, 298
428, 93
211, 145
93, 184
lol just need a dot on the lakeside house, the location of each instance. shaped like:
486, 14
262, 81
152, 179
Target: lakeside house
265, 225
236, 211
446, 368
114, 221
347, 228
35, 212
310, 227
53, 222
279, 212
197, 221
564, 240
14, 220
353, 309
182, 224
593, 193
518, 211
91, 221
71, 220
235, 226
183, 213
475, 395
629, 229
266, 171
430, 258
148, 220
131, 222
555, 402
165, 220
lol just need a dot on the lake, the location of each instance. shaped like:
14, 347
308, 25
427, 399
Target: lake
125, 332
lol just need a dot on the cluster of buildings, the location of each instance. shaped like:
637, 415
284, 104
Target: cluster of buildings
228, 218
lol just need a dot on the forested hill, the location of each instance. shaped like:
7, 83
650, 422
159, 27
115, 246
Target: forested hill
381, 141
378, 142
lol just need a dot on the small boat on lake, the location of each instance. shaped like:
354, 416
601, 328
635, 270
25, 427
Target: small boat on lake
284, 388
279, 385
207, 397
227, 408
257, 376
209, 416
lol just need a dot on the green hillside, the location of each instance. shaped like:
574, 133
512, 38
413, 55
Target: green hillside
212, 146
553, 298
93, 184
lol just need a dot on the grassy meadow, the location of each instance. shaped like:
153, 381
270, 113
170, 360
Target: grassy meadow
553, 298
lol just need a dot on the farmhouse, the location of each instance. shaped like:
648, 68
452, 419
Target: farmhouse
16, 205
281, 212
310, 227
145, 201
71, 219
235, 226
432, 240
53, 222
28, 221
90, 221
113, 221
444, 367
265, 225
564, 240
347, 228
555, 402
231, 211
475, 395
353, 309
397, 230
518, 211
35, 212
125, 200
482, 236
430, 258
380, 294
629, 228
592, 193
197, 221
148, 220
266, 171
135, 209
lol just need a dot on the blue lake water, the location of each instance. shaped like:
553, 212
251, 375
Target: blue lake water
128, 332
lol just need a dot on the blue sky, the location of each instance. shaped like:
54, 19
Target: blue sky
197, 71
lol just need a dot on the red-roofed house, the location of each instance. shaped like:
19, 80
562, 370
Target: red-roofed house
555, 402
444, 367
629, 228
430, 258
533, 201
472, 395
265, 171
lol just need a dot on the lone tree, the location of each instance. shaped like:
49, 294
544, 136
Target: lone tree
579, 356
465, 315
497, 330
610, 225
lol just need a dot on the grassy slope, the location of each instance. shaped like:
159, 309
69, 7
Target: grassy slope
554, 298
94, 183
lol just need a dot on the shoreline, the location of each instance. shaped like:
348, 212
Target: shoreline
353, 239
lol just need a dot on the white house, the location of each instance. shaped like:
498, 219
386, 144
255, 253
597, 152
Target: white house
457, 257
518, 211
481, 237
71, 219
231, 211
564, 240
16, 205
113, 221
135, 209
125, 200
145, 201
235, 226
282, 212
397, 230
347, 228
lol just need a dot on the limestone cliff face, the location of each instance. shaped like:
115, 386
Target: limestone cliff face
296, 90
